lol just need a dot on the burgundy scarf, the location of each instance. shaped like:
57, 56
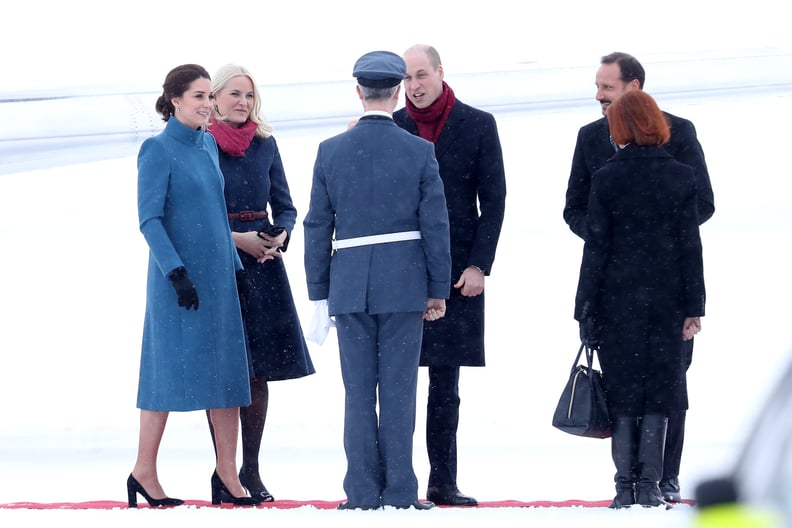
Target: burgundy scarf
232, 140
432, 119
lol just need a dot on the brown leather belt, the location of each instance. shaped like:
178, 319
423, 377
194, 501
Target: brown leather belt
247, 216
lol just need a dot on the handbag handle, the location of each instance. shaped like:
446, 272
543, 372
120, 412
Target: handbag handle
589, 357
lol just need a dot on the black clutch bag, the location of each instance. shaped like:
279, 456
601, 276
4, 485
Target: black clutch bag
274, 231
582, 409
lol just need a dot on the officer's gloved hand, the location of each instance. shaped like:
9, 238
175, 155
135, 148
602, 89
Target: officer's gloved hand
185, 289
588, 333
243, 287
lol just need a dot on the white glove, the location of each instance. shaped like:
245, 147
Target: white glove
320, 323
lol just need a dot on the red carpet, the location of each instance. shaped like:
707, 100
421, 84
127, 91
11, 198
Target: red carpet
289, 504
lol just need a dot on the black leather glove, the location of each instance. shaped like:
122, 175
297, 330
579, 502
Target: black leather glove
185, 289
243, 287
589, 333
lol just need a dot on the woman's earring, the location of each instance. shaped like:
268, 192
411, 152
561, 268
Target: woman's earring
177, 108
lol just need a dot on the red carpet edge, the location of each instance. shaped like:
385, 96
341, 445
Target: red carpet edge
291, 504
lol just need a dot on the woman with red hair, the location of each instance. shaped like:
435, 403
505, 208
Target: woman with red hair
641, 289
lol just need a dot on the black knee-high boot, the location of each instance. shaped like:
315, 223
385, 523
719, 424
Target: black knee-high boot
650, 460
624, 447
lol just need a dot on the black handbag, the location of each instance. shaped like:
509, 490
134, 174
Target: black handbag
582, 409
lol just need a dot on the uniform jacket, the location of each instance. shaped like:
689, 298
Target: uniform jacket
641, 275
471, 166
594, 148
191, 359
373, 179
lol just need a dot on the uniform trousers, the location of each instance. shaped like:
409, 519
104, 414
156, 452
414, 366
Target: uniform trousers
379, 365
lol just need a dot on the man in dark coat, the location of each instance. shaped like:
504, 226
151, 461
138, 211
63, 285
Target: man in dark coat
377, 189
619, 73
468, 150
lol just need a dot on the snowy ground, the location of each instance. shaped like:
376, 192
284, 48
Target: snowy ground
73, 284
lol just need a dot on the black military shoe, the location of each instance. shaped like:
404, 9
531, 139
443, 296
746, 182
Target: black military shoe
417, 505
346, 505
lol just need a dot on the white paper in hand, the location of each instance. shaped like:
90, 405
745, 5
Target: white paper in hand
320, 323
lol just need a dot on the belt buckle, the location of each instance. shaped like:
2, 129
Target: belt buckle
247, 216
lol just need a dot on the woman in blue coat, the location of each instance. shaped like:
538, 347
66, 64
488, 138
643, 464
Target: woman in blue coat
193, 354
255, 179
641, 289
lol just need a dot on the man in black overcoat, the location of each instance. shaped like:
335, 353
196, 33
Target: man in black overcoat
468, 150
619, 73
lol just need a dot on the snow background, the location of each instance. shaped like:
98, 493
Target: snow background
73, 273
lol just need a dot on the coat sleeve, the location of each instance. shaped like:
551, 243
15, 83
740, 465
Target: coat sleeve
691, 256
690, 153
435, 235
153, 185
578, 187
595, 253
318, 229
283, 211
491, 196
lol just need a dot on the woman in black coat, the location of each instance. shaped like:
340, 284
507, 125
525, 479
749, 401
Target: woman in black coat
261, 215
641, 289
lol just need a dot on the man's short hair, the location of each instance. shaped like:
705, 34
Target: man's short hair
630, 68
377, 94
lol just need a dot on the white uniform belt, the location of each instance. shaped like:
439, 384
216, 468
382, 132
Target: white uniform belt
376, 239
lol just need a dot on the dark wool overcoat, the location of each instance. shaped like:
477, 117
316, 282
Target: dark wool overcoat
641, 275
471, 167
594, 148
256, 181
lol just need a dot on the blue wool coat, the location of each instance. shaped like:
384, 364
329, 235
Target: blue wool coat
191, 359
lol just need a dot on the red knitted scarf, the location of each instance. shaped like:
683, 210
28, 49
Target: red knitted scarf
432, 119
232, 140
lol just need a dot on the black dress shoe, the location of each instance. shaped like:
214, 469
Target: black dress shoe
220, 494
134, 487
257, 490
450, 498
346, 505
417, 505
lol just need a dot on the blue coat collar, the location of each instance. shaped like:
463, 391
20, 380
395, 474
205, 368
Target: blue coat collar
184, 134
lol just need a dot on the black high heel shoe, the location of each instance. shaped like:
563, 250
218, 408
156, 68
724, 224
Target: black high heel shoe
255, 487
221, 494
134, 487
